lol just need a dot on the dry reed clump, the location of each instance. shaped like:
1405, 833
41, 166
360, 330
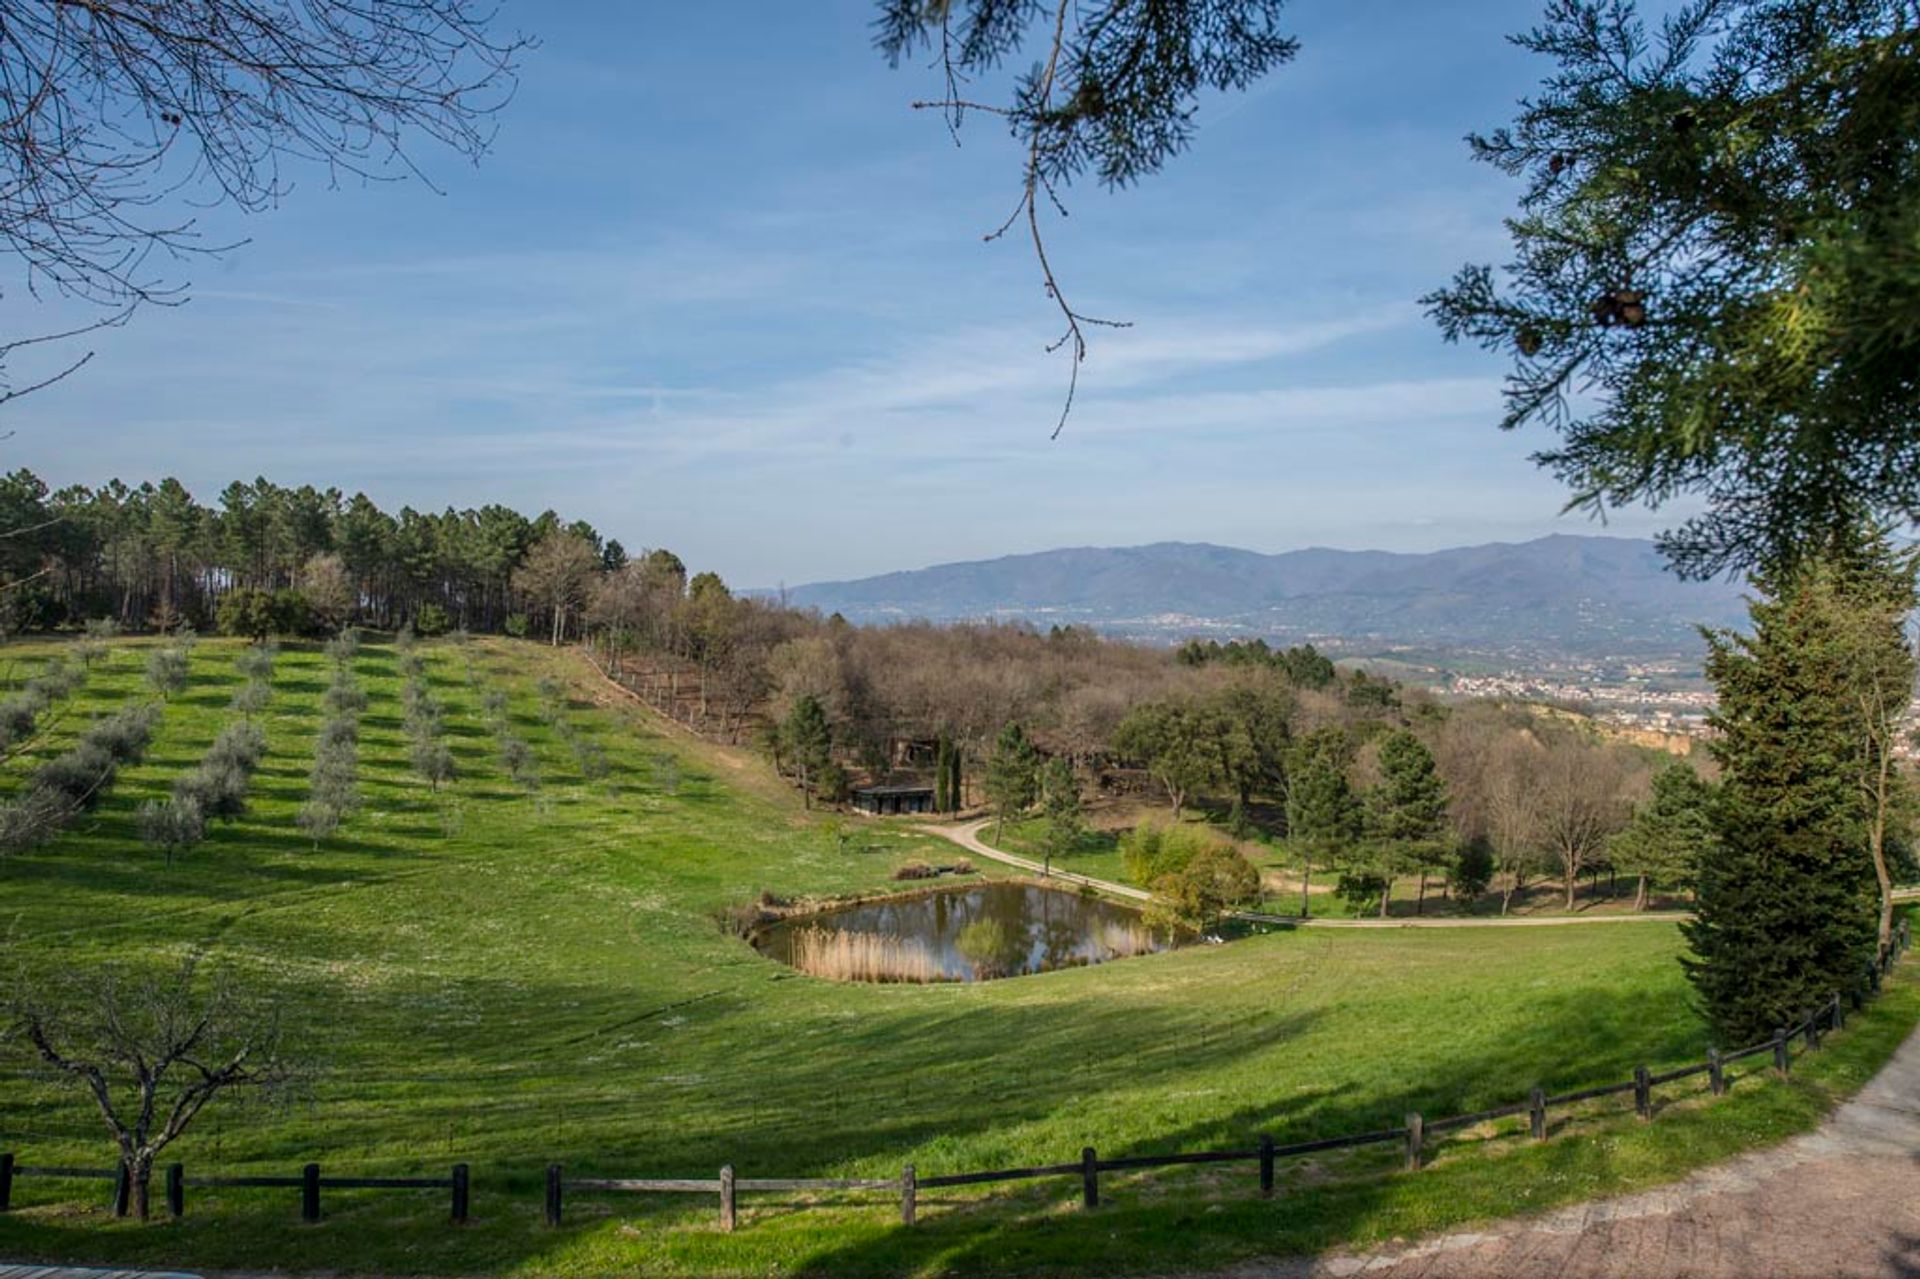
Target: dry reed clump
916, 870
742, 919
1125, 939
846, 956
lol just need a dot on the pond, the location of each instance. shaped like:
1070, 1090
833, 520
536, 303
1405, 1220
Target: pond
960, 934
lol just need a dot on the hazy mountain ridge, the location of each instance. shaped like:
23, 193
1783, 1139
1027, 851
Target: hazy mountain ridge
1575, 594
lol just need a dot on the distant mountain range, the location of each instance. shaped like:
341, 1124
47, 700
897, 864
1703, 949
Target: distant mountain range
1578, 596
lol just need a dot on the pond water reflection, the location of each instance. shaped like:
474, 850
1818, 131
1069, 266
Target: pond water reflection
960, 934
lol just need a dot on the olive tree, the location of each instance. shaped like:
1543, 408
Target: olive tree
152, 1050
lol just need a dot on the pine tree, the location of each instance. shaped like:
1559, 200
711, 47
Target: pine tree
1061, 812
1407, 810
1322, 813
1013, 775
1786, 888
809, 739
1664, 843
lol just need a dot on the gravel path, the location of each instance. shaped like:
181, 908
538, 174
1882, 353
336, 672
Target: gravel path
1842, 1201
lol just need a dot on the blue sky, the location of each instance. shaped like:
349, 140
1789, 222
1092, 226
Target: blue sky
719, 288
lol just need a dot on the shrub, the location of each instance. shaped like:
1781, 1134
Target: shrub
1471, 870
240, 745
246, 612
1157, 848
433, 761
167, 670
173, 825
517, 625
336, 733
79, 776
592, 759
1215, 880
32, 820
423, 720
256, 662
432, 620
518, 759
252, 698
318, 820
291, 613
1360, 890
220, 789
125, 734
343, 696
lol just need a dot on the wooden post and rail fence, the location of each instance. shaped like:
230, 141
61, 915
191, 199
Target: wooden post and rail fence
1413, 1136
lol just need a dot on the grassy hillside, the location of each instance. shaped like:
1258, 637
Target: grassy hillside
513, 979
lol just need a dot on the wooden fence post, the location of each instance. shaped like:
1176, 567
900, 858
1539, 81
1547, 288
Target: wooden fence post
122, 1189
176, 1191
1266, 1165
909, 1195
1716, 1072
726, 1198
1537, 1113
6, 1180
1642, 1093
462, 1193
1416, 1137
1089, 1177
1839, 1014
1782, 1062
310, 1193
1813, 1031
553, 1194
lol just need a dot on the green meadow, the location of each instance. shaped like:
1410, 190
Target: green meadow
510, 978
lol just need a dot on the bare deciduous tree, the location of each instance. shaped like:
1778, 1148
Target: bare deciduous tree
1113, 90
1580, 789
126, 117
558, 572
152, 1051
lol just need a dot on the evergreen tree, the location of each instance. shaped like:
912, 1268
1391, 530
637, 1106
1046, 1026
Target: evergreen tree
1711, 289
1013, 775
1406, 812
1786, 889
809, 742
943, 775
1669, 833
1062, 815
1323, 817
956, 778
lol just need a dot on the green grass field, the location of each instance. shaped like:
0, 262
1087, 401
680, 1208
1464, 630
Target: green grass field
509, 980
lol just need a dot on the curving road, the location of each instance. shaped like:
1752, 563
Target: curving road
967, 836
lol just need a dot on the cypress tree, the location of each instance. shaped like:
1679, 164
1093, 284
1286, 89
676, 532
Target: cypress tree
956, 787
1786, 889
942, 775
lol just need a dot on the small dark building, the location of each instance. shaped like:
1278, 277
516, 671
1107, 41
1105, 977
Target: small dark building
890, 801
